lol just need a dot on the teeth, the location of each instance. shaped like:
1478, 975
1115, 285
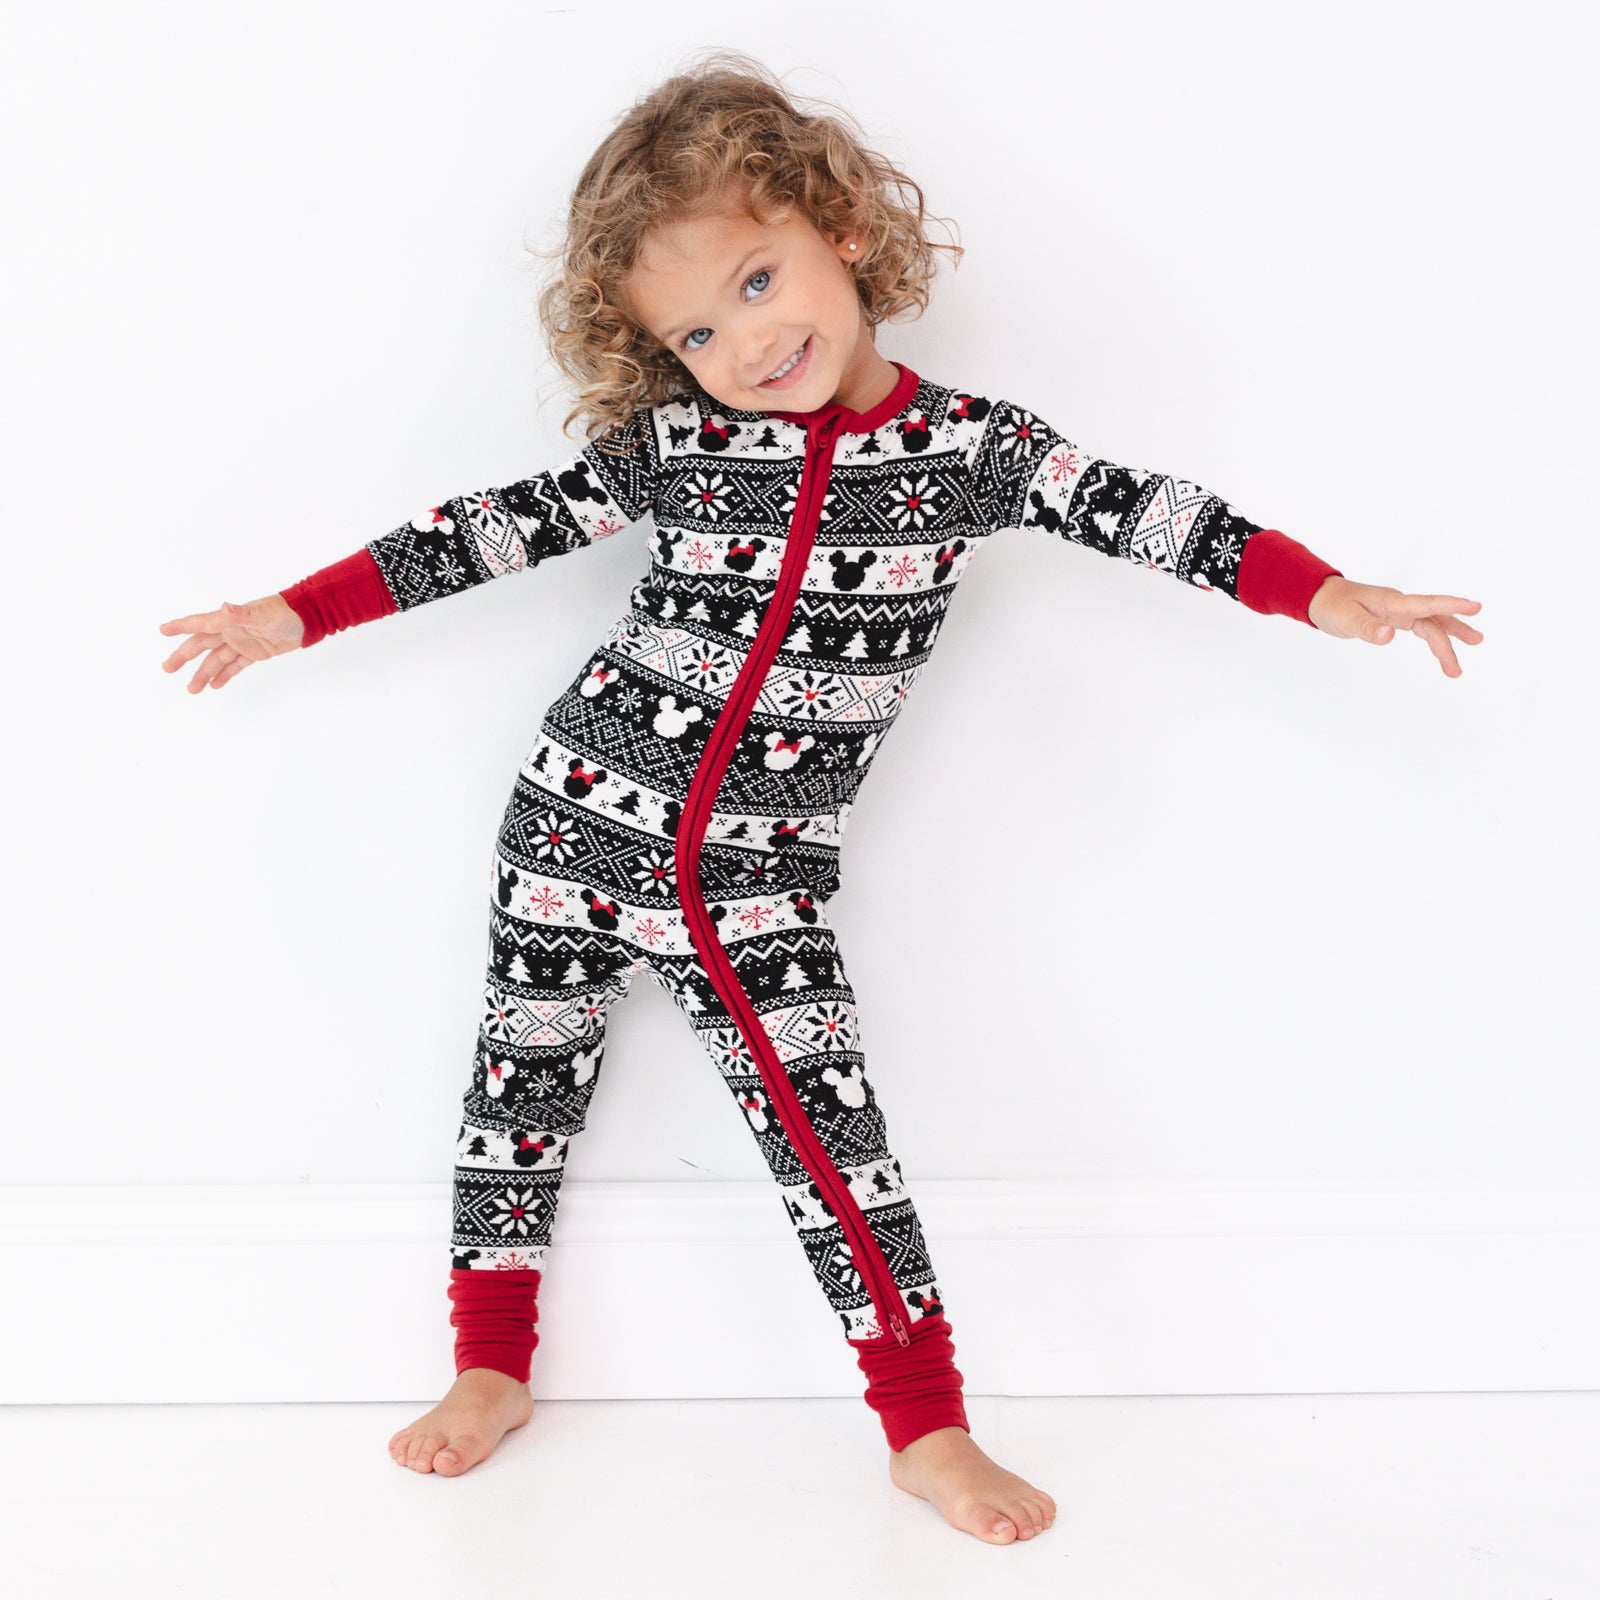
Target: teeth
786, 366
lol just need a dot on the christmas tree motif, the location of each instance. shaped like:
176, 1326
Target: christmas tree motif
669, 608
629, 804
517, 971
800, 640
747, 625
478, 1147
576, 974
796, 977
699, 611
768, 439
856, 650
902, 644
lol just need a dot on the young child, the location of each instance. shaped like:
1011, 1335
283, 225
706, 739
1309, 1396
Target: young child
679, 816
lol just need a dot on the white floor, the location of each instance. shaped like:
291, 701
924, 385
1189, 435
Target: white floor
1363, 1497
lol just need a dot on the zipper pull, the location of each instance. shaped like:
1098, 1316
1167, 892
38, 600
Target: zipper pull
899, 1330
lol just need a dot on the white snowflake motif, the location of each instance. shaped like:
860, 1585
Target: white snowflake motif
629, 698
1018, 437
544, 1083
516, 1212
558, 842
654, 872
913, 501
449, 571
844, 1265
708, 495
757, 873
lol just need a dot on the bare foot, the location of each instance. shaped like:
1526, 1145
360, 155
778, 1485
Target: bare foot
482, 1407
970, 1491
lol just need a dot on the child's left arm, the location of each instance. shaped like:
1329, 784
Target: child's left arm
1025, 474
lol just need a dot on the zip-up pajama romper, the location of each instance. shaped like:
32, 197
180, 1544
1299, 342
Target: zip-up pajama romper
680, 812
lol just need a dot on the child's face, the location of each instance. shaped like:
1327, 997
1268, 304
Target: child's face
733, 301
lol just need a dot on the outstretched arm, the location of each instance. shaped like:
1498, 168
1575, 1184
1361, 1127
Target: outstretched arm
473, 538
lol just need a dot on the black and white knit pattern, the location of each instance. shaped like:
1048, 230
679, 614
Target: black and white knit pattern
584, 892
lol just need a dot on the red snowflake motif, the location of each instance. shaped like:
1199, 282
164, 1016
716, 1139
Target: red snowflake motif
514, 1261
755, 917
605, 527
546, 901
902, 571
1065, 463
701, 554
649, 931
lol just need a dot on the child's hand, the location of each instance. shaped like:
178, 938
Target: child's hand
1373, 612
235, 636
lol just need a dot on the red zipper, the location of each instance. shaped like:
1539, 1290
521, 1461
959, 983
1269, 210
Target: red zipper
703, 786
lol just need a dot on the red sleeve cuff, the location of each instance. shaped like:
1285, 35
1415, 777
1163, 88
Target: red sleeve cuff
337, 597
1278, 575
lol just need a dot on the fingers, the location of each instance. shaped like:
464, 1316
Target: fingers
1431, 605
189, 649
213, 664
198, 622
1429, 628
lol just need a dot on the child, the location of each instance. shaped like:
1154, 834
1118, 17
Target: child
680, 813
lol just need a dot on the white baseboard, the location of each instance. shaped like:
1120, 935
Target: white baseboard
695, 1289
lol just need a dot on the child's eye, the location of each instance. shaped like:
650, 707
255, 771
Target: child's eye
688, 340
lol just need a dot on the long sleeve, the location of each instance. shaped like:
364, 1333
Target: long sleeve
471, 538
1026, 474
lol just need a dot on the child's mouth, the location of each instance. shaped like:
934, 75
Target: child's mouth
795, 373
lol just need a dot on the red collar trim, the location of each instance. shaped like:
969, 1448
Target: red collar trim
859, 421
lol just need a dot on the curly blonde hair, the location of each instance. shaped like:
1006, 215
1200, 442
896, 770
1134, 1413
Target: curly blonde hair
722, 133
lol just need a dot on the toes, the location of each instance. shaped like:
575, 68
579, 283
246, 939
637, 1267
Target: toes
423, 1446
989, 1522
461, 1450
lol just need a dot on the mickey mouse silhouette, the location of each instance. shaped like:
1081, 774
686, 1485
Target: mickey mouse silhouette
782, 754
803, 906
742, 557
672, 723
785, 835
602, 913
850, 1085
848, 570
580, 780
507, 880
914, 435
944, 558
527, 1150
599, 675
575, 483
968, 408
716, 435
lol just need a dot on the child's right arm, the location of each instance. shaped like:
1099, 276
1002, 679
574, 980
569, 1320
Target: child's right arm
463, 542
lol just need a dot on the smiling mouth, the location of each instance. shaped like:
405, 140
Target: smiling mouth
795, 360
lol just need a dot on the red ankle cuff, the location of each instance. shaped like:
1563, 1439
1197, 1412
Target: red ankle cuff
913, 1388
494, 1315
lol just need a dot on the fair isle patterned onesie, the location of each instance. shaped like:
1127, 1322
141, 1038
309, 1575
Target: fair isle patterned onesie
680, 812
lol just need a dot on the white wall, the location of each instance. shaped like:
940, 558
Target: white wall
1147, 891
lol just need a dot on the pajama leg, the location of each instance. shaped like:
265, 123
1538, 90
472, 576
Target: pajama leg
801, 1085
548, 990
